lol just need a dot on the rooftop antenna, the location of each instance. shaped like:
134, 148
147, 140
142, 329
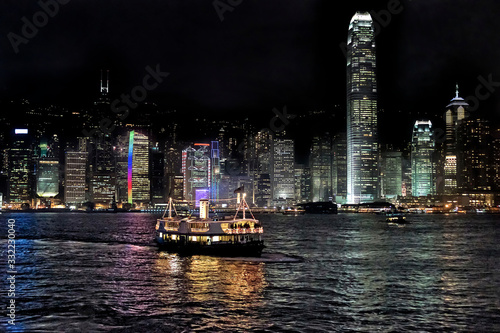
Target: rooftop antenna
107, 81
105, 89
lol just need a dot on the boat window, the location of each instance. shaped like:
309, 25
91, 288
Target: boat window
172, 225
199, 225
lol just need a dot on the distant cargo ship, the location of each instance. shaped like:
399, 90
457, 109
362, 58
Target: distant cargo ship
326, 207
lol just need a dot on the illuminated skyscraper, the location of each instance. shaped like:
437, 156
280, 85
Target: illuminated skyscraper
20, 167
75, 174
215, 172
47, 178
422, 166
283, 175
196, 168
406, 189
264, 195
263, 165
495, 153
475, 156
456, 111
138, 168
362, 134
121, 162
157, 171
302, 183
47, 167
102, 170
321, 168
340, 168
391, 174
173, 167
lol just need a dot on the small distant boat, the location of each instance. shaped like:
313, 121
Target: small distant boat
293, 211
395, 217
230, 236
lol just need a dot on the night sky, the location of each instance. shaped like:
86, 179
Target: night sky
264, 54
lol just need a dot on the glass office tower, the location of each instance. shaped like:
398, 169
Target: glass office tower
422, 167
75, 173
47, 178
362, 134
138, 169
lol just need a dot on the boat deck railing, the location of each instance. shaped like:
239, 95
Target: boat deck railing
244, 231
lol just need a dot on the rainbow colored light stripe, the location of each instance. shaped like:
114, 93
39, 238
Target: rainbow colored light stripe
130, 160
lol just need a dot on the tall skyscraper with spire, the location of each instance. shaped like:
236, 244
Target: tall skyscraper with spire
362, 133
102, 163
456, 111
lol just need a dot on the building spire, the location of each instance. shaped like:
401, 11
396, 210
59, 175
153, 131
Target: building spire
107, 81
457, 91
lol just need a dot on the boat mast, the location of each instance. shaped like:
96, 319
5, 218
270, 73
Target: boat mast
169, 208
243, 203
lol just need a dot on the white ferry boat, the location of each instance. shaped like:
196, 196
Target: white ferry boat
231, 236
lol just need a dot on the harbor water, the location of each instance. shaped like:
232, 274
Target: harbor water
79, 272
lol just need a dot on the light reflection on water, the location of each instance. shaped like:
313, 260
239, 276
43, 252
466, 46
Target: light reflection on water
222, 292
101, 272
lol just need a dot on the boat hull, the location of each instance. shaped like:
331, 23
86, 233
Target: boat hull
397, 220
319, 208
249, 249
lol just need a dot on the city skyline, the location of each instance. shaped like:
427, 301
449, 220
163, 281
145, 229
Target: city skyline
138, 150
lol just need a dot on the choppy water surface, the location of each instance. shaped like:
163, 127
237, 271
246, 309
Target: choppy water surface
102, 272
